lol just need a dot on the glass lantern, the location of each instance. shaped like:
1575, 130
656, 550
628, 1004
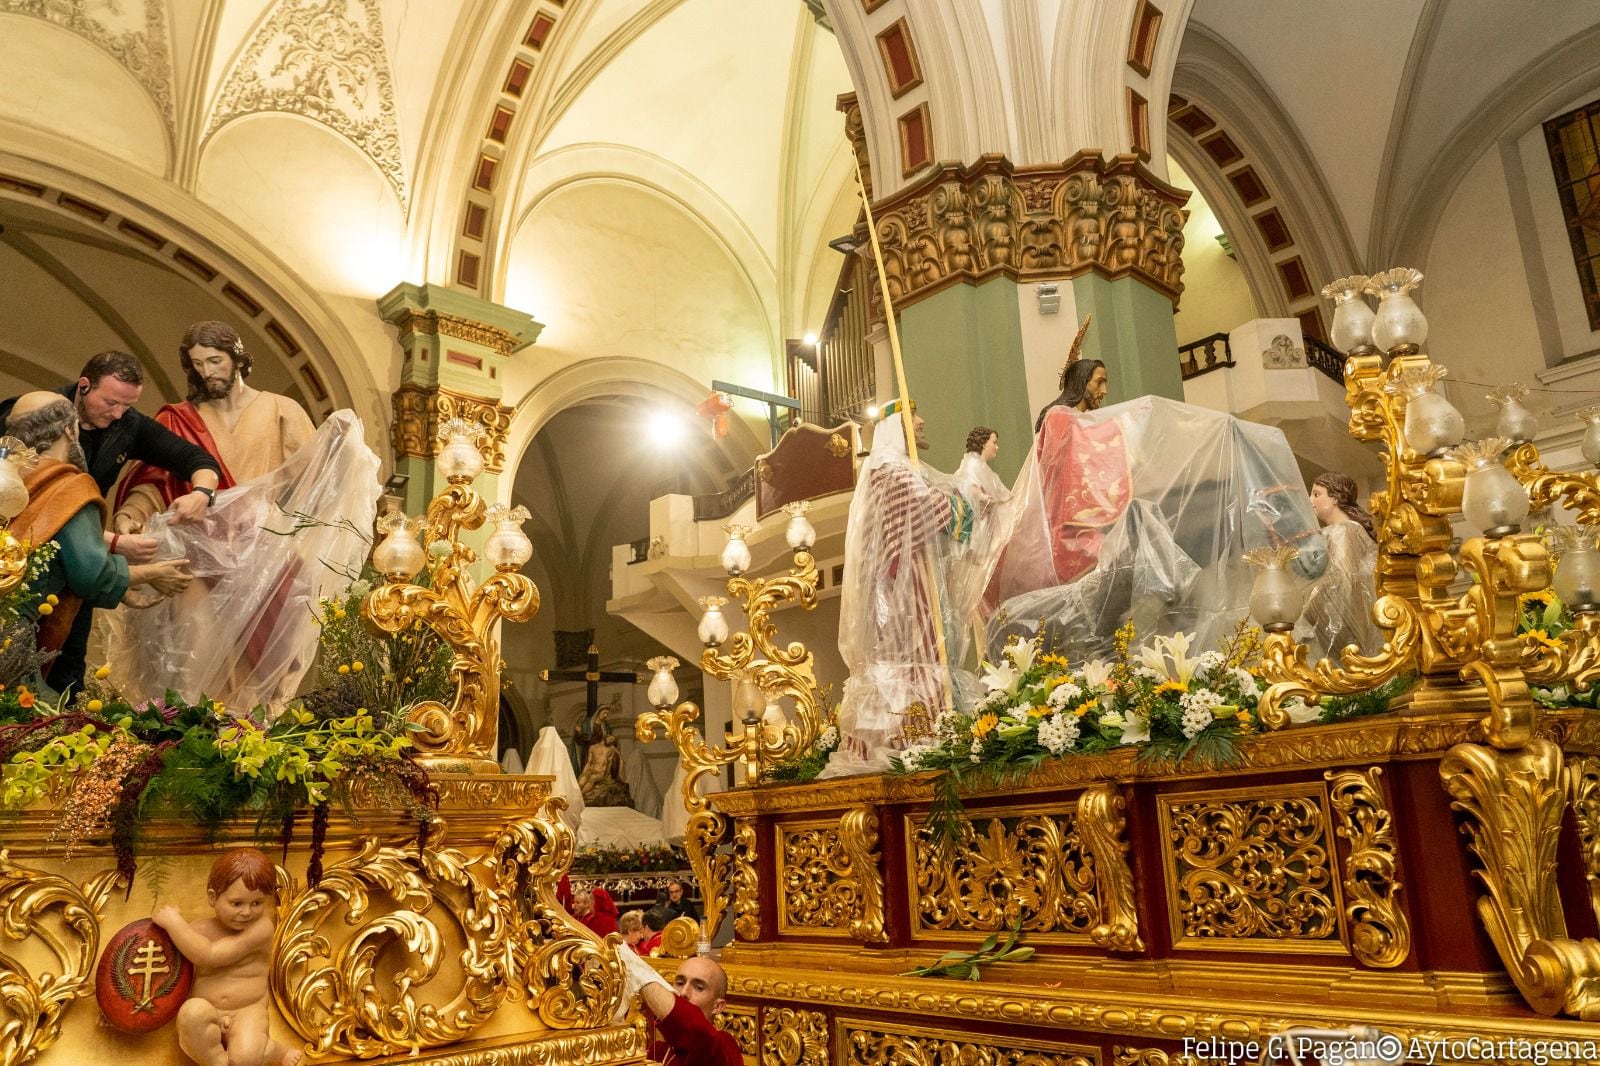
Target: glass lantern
800, 534
663, 690
1276, 599
1591, 436
736, 554
460, 460
1577, 559
1493, 501
749, 702
1516, 424
1432, 422
508, 547
1352, 315
713, 628
14, 455
1399, 321
398, 556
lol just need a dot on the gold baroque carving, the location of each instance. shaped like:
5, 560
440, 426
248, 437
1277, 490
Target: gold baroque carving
858, 832
893, 1045
1124, 1055
1101, 825
135, 35
599, 1047
1111, 217
1250, 869
324, 60
794, 1037
740, 1023
817, 891
1583, 790
65, 919
1380, 934
420, 410
1032, 869
746, 882
444, 324
1514, 802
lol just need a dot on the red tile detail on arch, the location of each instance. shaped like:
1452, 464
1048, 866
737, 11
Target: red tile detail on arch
916, 140
1293, 275
467, 270
1273, 230
1142, 42
484, 179
539, 31
1192, 121
1220, 147
1311, 324
500, 124
1248, 186
517, 79
900, 63
476, 223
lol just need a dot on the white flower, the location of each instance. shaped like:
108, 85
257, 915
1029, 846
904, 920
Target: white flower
1021, 652
1058, 733
1096, 673
1196, 719
1168, 658
1113, 719
1135, 731
1210, 661
1247, 684
1299, 711
1147, 671
976, 749
1200, 700
912, 757
1063, 695
1018, 714
360, 589
829, 739
1002, 678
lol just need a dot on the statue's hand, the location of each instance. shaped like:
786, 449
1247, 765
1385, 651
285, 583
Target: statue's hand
166, 916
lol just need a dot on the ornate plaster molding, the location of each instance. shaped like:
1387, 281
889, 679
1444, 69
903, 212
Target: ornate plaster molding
442, 324
324, 60
991, 219
419, 410
135, 35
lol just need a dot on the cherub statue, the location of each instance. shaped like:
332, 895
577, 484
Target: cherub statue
224, 1021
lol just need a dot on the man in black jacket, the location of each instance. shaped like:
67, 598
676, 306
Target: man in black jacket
112, 433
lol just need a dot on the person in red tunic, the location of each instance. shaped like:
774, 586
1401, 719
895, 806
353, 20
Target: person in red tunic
595, 908
683, 1011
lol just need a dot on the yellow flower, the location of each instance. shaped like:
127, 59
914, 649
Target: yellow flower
94, 706
52, 600
1171, 686
1053, 683
358, 666
1053, 660
1542, 596
1541, 637
46, 609
339, 613
103, 673
984, 726
1038, 711
344, 668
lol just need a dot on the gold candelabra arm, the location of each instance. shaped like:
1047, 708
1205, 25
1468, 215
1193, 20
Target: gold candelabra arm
1578, 492
1284, 663
457, 508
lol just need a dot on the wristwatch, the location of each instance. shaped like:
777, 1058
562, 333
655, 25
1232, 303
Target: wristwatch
211, 494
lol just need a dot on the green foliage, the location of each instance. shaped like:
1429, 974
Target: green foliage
1363, 704
964, 965
20, 658
806, 766
1545, 619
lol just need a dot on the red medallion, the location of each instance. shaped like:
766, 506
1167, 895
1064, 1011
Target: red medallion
142, 979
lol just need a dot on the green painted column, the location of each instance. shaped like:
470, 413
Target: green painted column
964, 368
454, 350
1134, 334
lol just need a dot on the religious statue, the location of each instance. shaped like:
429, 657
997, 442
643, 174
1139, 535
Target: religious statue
224, 1021
1339, 603
601, 782
979, 483
589, 733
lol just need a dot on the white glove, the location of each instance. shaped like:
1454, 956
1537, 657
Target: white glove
636, 973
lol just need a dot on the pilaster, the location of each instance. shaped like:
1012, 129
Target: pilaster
454, 350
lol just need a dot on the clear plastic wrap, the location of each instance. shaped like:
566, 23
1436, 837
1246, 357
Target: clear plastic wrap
1142, 511
905, 528
245, 631
1339, 603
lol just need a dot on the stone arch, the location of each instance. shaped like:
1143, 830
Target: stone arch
147, 213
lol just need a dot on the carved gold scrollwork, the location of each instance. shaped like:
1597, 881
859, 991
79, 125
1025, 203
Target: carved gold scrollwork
1032, 869
893, 1045
1583, 790
1125, 1055
64, 919
13, 561
858, 832
1248, 871
1284, 663
746, 883
740, 1023
1514, 801
816, 882
1101, 824
792, 1037
1380, 935
356, 958
1578, 492
570, 977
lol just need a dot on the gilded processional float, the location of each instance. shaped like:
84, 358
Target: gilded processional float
1393, 858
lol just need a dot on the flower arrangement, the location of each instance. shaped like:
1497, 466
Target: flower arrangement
363, 668
20, 609
807, 765
649, 858
1547, 620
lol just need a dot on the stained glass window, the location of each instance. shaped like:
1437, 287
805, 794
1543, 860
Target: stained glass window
1573, 139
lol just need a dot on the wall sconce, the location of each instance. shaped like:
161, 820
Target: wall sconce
1049, 295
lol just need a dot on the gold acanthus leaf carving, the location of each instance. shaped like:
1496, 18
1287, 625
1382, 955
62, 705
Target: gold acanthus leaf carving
1101, 824
746, 881
1032, 870
793, 1037
419, 411
1514, 802
858, 833
1380, 934
1583, 790
895, 1046
324, 60
1255, 869
65, 919
380, 913
740, 1023
815, 879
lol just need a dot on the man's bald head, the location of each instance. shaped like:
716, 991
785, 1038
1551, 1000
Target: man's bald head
703, 982
46, 422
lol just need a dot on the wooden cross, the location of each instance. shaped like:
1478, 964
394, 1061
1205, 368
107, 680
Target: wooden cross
592, 676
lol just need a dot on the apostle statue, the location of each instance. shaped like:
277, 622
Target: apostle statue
898, 627
287, 530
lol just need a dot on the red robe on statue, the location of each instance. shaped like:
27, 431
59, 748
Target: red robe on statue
184, 420
1087, 486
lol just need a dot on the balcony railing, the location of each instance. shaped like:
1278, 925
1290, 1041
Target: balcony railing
1324, 358
722, 504
1205, 355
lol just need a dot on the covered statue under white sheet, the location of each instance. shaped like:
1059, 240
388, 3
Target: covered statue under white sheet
1143, 511
245, 631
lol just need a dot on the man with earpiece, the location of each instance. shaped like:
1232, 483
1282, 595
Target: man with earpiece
112, 433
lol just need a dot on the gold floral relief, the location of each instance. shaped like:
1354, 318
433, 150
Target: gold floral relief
740, 1022
40, 910
791, 1037
1380, 934
1126, 1055
1032, 869
746, 883
1251, 870
817, 892
1583, 791
864, 1044
858, 832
